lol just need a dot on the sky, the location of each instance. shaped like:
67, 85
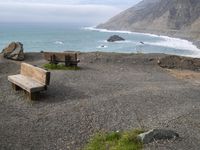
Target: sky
85, 12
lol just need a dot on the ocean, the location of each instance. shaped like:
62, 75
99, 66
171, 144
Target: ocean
36, 38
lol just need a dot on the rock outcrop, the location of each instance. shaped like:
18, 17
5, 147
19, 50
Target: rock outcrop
14, 51
178, 18
115, 38
157, 134
178, 62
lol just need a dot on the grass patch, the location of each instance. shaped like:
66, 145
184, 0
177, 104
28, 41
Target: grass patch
115, 141
60, 67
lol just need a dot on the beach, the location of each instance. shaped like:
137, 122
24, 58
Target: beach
111, 92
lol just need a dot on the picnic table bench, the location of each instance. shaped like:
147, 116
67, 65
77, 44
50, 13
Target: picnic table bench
31, 79
70, 59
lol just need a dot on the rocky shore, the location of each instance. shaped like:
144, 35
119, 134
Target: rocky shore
110, 92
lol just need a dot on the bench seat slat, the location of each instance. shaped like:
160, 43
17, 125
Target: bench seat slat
26, 83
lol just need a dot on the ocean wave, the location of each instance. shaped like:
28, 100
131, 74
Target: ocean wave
105, 30
175, 43
119, 42
120, 31
102, 46
59, 42
126, 41
165, 41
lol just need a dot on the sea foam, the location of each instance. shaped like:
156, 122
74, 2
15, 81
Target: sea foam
164, 41
105, 30
175, 43
102, 46
58, 42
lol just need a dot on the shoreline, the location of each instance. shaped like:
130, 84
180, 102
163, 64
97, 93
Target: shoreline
193, 42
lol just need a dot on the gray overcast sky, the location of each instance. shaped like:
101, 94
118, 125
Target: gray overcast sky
90, 12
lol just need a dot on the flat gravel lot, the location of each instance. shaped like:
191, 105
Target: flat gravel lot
111, 92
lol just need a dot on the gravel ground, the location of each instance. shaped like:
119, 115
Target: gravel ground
111, 92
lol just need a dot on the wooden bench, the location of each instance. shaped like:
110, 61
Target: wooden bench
70, 59
31, 79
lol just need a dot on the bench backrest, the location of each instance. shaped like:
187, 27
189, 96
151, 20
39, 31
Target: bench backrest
35, 73
60, 56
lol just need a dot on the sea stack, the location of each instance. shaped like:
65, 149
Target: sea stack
115, 38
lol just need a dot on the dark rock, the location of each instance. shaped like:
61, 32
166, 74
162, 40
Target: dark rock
14, 51
179, 62
157, 134
115, 38
151, 59
141, 42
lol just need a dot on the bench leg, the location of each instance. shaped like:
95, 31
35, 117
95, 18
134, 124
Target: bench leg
33, 96
67, 64
53, 60
75, 65
67, 60
15, 87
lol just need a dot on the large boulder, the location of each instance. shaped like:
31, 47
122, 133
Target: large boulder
14, 51
115, 38
157, 134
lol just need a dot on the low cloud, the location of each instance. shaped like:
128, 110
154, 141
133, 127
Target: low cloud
56, 13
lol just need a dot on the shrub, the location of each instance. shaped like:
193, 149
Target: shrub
60, 67
115, 141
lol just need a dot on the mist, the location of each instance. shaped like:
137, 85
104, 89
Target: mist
21, 12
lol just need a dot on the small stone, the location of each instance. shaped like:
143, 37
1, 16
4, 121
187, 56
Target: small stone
151, 59
157, 134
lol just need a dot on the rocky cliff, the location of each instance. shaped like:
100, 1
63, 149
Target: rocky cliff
179, 18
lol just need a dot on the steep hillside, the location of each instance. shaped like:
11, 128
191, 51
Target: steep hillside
180, 18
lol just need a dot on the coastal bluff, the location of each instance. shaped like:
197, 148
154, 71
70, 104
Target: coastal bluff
177, 18
111, 92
